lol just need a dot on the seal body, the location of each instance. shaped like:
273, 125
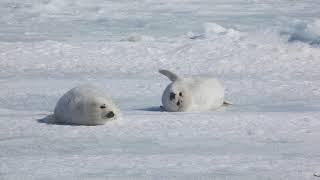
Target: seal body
192, 93
85, 105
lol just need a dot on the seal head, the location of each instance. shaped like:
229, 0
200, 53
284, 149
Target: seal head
176, 97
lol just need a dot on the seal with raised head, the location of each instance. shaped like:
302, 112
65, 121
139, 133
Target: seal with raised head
85, 105
192, 93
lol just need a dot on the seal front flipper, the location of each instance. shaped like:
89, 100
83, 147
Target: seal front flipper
172, 76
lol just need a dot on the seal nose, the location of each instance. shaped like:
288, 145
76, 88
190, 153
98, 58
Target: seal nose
110, 114
172, 96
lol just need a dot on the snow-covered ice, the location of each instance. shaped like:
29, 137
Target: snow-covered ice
265, 52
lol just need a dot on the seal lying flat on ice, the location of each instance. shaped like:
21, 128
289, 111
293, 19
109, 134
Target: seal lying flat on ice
192, 93
85, 105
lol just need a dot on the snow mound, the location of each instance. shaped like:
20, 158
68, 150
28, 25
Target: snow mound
213, 28
213, 31
138, 37
304, 32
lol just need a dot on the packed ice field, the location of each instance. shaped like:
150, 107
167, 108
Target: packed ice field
266, 53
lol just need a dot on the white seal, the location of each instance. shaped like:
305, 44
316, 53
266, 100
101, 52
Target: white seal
192, 93
85, 105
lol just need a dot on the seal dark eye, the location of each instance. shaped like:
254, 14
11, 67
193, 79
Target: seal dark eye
103, 106
180, 93
110, 114
172, 96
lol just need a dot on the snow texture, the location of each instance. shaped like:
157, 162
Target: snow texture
266, 53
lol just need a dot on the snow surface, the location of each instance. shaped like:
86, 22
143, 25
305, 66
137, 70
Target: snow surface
266, 53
